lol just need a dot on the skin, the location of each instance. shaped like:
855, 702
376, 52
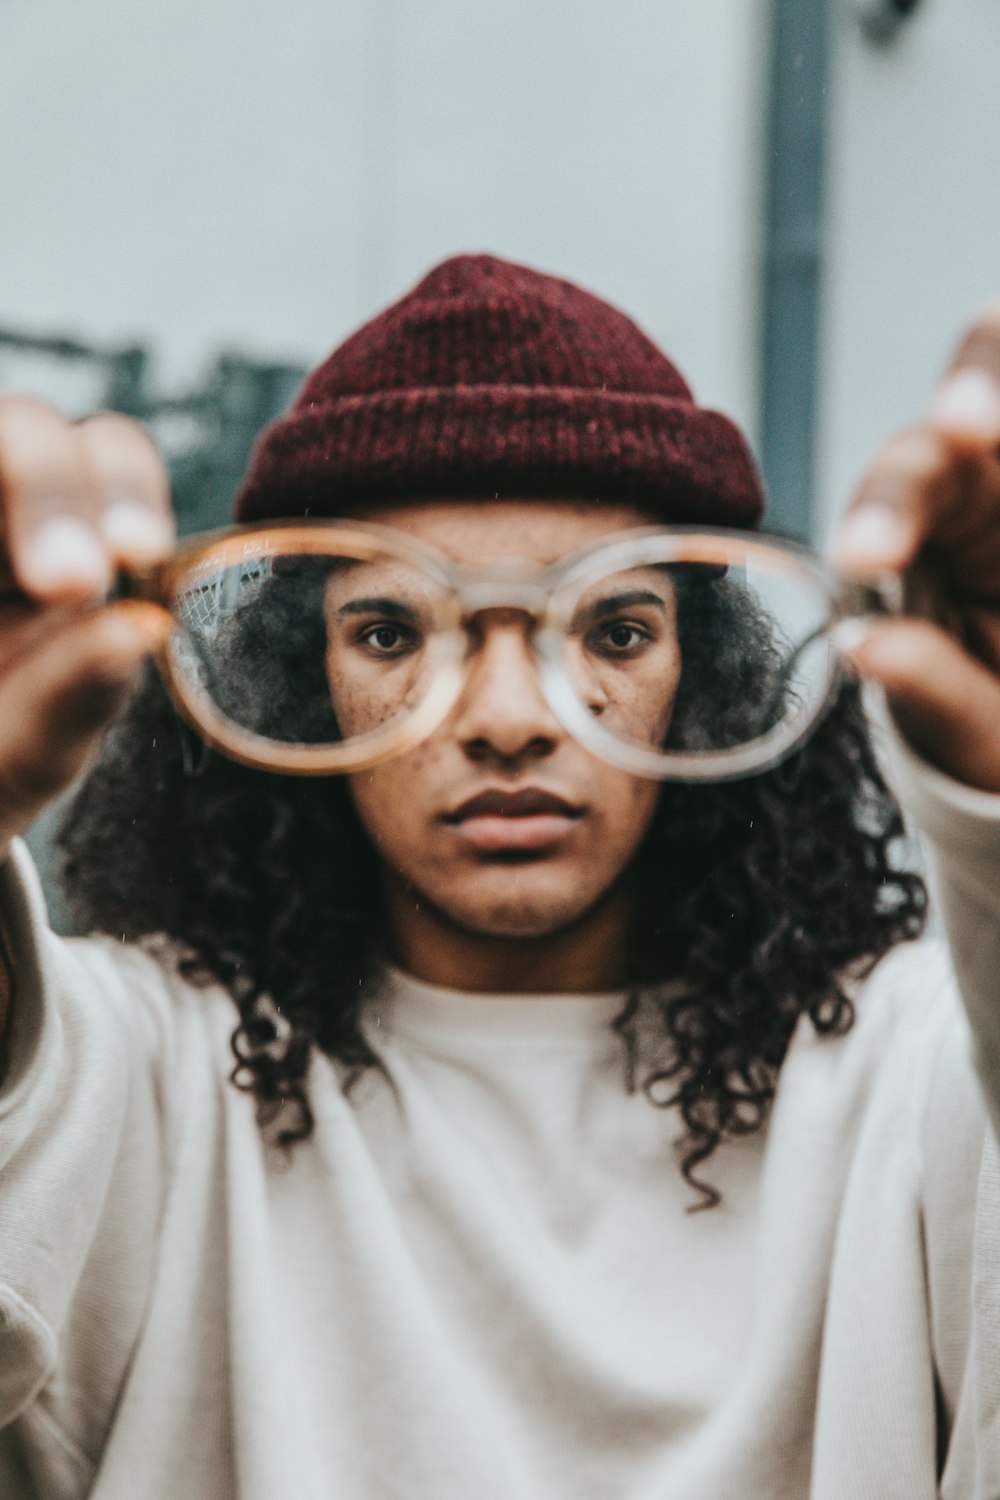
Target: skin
552, 917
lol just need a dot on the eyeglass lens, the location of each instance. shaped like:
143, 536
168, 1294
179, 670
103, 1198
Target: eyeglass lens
310, 649
670, 657
698, 657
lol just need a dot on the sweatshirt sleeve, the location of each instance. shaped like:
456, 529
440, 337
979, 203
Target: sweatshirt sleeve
83, 1150
961, 830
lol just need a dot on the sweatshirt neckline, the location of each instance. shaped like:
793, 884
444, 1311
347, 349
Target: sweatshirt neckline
406, 1007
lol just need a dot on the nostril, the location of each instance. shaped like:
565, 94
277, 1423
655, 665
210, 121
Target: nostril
482, 750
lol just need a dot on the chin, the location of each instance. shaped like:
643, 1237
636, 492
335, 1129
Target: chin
515, 926
513, 909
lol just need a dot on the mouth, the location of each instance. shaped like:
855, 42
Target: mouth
527, 820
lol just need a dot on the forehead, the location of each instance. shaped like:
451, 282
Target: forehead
478, 531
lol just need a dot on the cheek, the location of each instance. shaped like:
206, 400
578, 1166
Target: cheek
392, 799
645, 799
628, 810
365, 699
635, 700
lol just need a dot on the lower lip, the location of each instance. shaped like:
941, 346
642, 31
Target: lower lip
532, 831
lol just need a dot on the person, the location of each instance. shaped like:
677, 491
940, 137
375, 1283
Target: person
492, 1120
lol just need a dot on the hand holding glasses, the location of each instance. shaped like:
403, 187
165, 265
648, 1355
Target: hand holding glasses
315, 647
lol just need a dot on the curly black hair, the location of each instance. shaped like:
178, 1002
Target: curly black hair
761, 901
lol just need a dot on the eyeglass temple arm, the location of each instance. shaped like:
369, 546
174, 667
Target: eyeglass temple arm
919, 591
146, 585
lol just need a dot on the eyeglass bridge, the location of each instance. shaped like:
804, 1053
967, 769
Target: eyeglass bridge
475, 596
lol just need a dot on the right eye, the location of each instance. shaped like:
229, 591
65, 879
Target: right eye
623, 637
388, 639
619, 640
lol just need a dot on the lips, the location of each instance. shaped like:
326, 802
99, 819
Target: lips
526, 820
528, 802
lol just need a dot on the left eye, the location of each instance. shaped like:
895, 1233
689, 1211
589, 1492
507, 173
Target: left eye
621, 638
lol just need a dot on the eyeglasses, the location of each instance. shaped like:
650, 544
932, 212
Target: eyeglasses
316, 647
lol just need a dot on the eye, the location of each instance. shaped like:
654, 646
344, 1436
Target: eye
622, 638
388, 639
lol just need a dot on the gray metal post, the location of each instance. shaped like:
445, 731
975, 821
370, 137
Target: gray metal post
793, 257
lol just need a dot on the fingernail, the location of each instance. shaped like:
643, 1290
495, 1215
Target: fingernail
65, 554
134, 532
874, 536
968, 402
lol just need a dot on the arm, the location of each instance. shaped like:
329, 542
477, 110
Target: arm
934, 490
6, 997
85, 1142
76, 501
80, 1136
961, 830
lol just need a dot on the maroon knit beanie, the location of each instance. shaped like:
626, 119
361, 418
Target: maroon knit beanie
491, 379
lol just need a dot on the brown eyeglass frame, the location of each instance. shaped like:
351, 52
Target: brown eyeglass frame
546, 594
161, 584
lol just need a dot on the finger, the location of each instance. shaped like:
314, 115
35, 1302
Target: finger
946, 703
57, 701
133, 491
24, 627
899, 501
966, 407
48, 499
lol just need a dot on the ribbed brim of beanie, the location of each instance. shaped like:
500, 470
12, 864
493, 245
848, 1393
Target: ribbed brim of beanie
492, 379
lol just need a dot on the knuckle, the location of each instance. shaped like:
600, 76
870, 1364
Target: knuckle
17, 407
39, 455
980, 345
915, 454
123, 454
115, 429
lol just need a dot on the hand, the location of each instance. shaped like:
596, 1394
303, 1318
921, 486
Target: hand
934, 490
75, 502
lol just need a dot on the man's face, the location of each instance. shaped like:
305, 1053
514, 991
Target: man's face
500, 822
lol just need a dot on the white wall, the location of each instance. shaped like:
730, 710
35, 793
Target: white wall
206, 172
913, 230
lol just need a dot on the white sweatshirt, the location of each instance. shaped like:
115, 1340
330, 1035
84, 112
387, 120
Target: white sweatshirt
481, 1283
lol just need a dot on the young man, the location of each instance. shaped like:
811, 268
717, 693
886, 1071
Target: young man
511, 1012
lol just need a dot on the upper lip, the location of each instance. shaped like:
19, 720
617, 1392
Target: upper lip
498, 803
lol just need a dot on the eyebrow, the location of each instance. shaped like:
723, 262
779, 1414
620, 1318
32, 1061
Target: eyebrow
394, 608
626, 600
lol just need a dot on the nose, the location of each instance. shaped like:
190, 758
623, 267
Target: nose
502, 712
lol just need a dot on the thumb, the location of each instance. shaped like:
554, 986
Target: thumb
56, 701
945, 701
